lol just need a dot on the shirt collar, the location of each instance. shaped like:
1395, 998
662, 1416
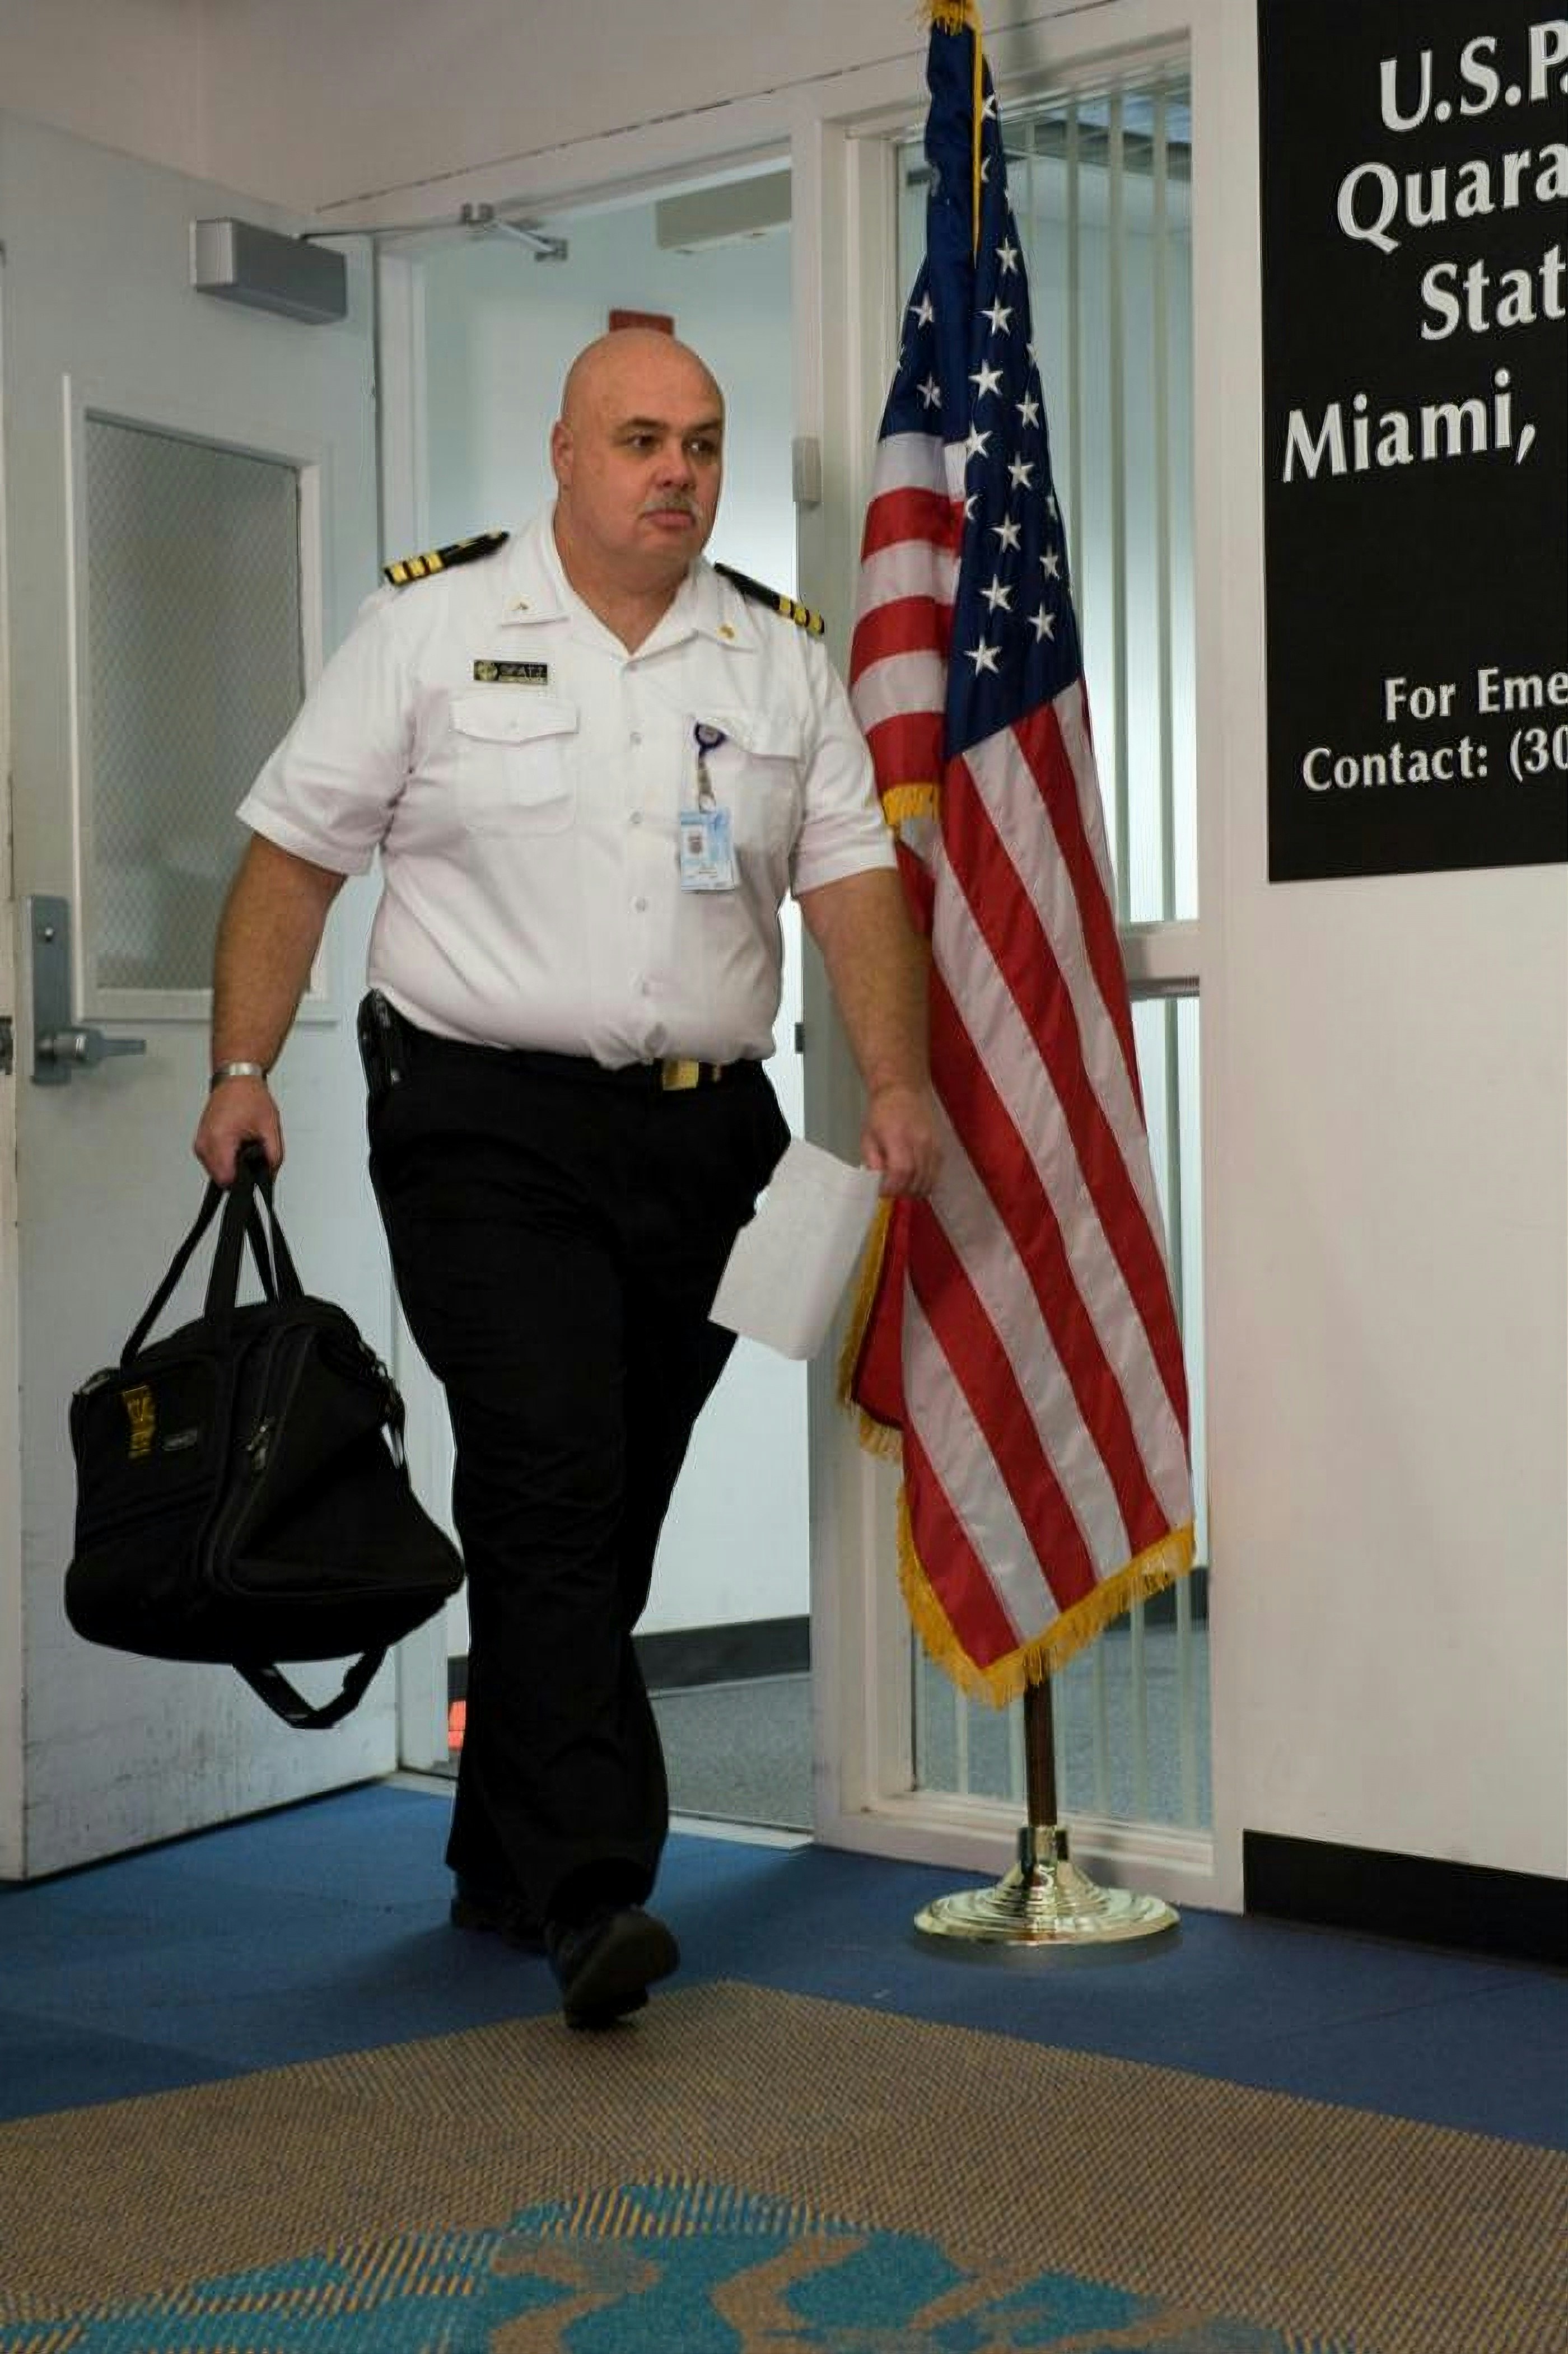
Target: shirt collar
717, 609
534, 587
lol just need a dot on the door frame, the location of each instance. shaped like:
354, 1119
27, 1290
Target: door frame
13, 1802
845, 302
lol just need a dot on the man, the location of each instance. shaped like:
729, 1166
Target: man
592, 766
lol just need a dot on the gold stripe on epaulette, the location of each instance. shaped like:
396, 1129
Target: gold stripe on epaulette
441, 559
789, 609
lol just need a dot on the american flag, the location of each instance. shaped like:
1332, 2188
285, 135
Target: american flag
1015, 1338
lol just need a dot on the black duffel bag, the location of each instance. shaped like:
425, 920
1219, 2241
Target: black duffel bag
241, 1490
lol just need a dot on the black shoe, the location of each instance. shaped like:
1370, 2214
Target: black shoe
604, 1966
476, 1907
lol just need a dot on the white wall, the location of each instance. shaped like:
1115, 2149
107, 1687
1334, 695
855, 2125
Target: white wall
130, 76
1386, 1100
1391, 1358
1385, 1068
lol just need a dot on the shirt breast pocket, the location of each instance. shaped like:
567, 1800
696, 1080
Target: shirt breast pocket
514, 763
756, 775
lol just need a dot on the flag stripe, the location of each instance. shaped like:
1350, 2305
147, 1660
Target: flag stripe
1078, 822
914, 461
907, 747
908, 568
967, 1592
998, 1415
900, 684
905, 626
1043, 1324
1009, 1055
1039, 983
1071, 1277
953, 1441
911, 515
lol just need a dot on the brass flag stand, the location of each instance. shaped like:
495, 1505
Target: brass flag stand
1045, 1902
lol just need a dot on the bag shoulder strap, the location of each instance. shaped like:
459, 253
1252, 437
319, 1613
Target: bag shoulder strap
272, 1686
177, 1266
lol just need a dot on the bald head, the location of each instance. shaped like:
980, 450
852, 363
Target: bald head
628, 358
638, 454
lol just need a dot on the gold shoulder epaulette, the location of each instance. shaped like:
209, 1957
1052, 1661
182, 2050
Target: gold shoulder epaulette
441, 559
802, 615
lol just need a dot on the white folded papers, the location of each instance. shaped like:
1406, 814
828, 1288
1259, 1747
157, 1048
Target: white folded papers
789, 1268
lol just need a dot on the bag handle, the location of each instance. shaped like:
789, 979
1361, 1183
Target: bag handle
241, 1222
270, 1685
249, 1197
177, 1266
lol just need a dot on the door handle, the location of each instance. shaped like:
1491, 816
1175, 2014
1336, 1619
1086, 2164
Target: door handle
60, 1043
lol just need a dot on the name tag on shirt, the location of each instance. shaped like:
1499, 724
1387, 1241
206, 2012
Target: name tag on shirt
512, 674
707, 851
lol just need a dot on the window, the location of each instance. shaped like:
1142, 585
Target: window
194, 670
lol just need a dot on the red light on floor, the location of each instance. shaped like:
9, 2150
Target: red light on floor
456, 1723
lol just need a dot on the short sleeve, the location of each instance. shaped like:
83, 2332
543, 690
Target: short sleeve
329, 789
843, 831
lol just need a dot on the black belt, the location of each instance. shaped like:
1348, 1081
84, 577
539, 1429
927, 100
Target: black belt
387, 1037
673, 1075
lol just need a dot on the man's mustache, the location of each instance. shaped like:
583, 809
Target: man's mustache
672, 503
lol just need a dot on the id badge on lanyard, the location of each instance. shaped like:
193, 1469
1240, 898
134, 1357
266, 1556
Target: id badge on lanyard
707, 846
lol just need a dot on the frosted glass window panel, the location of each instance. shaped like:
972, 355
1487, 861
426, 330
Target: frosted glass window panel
193, 671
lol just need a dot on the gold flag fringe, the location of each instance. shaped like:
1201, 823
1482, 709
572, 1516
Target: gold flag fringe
1159, 1565
905, 802
881, 1438
952, 16
1149, 1572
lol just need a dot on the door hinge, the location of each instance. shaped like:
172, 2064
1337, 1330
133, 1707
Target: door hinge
7, 1046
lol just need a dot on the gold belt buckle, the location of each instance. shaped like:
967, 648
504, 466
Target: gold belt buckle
680, 1073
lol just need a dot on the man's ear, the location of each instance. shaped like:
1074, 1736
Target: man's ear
561, 452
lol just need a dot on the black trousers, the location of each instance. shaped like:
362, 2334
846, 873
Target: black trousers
557, 1236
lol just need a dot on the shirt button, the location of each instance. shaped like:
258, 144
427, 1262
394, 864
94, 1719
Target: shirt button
636, 818
641, 905
635, 737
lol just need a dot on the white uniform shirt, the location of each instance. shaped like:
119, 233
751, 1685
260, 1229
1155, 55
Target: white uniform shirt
527, 820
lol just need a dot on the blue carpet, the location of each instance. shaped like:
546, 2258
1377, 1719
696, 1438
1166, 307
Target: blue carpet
323, 1929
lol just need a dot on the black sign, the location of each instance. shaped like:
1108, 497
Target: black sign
1415, 429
